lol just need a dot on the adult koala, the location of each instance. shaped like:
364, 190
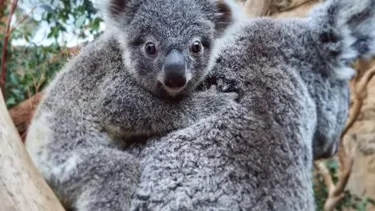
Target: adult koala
293, 74
134, 81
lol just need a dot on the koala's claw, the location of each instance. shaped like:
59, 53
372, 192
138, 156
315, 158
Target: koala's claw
227, 95
213, 88
231, 95
222, 86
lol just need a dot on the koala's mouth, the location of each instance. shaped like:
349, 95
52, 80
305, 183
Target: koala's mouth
173, 91
167, 92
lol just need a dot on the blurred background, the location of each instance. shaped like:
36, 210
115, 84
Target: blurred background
37, 37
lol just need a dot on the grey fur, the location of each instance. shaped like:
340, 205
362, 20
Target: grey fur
109, 93
293, 75
170, 28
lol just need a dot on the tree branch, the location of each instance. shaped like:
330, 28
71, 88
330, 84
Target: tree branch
21, 185
24, 17
2, 8
287, 5
5, 45
257, 8
360, 93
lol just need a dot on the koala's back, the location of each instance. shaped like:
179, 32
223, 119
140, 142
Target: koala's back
238, 160
252, 157
68, 110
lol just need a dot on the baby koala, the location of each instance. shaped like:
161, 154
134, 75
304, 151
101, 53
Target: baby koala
135, 80
167, 49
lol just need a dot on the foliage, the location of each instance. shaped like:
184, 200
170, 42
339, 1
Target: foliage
30, 67
29, 70
79, 13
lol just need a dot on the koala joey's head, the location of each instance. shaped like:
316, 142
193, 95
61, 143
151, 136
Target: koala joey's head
168, 45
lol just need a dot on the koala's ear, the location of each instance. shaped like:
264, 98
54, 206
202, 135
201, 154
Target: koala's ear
226, 13
113, 9
345, 31
117, 7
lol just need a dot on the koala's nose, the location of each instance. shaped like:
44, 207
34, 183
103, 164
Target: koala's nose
174, 70
175, 81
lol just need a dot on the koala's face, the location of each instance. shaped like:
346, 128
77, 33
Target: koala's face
169, 48
168, 44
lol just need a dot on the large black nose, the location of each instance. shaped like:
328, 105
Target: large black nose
174, 70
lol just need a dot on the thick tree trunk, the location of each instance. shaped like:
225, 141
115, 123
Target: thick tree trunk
21, 186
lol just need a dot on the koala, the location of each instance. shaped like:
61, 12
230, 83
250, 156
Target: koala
293, 75
138, 79
165, 56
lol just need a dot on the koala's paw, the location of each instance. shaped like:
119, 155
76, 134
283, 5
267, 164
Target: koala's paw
223, 95
227, 85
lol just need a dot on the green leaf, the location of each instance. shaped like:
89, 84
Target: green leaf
11, 101
46, 7
13, 78
16, 92
80, 21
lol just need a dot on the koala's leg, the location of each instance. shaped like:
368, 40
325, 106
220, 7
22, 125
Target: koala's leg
97, 178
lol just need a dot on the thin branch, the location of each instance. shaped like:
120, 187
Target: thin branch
346, 166
2, 8
24, 17
324, 172
360, 94
5, 45
292, 10
295, 6
336, 192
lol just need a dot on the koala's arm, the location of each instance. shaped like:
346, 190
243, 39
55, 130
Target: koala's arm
128, 110
82, 167
98, 178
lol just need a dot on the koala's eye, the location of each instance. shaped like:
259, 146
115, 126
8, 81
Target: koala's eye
196, 47
150, 48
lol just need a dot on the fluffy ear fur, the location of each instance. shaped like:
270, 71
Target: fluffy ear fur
114, 10
227, 12
117, 7
346, 31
